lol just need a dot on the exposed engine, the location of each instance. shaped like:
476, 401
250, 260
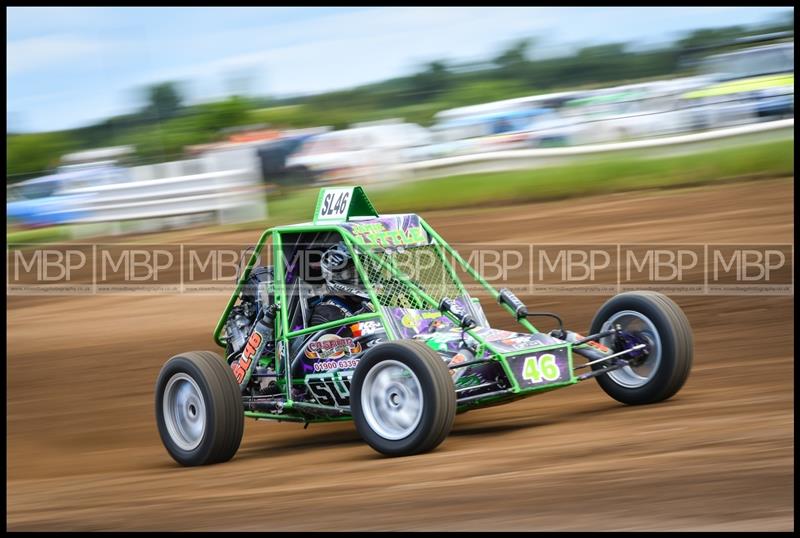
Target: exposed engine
256, 305
256, 294
240, 321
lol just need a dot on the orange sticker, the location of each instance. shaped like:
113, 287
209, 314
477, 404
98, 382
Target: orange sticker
241, 366
598, 345
251, 347
238, 371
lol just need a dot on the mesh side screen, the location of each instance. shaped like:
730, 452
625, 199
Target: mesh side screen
422, 265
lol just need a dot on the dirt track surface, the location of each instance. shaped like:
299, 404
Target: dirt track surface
84, 453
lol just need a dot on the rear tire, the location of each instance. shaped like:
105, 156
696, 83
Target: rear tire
661, 322
403, 400
199, 409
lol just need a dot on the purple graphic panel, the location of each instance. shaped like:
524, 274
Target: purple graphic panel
389, 231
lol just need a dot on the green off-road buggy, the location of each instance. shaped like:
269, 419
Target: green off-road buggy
399, 346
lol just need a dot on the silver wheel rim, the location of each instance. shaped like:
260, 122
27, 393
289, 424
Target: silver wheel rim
636, 323
391, 398
184, 411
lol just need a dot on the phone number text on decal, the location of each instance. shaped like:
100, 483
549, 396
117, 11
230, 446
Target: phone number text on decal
343, 364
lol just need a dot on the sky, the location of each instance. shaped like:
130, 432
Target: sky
70, 67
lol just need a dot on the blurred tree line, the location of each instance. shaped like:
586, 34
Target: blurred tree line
165, 124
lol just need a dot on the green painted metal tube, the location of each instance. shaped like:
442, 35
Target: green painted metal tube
242, 279
335, 323
473, 273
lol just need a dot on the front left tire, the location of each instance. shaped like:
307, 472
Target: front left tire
199, 409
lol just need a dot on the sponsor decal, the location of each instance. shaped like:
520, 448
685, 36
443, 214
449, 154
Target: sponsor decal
344, 364
437, 324
413, 319
469, 381
376, 233
594, 344
520, 342
241, 366
280, 353
326, 391
457, 359
238, 371
330, 346
373, 342
365, 328
440, 338
598, 345
491, 335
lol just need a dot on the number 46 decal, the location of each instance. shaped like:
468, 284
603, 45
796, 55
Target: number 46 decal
541, 368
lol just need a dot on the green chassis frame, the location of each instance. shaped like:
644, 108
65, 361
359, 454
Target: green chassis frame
282, 333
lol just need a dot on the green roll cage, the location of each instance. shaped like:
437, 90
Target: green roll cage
357, 250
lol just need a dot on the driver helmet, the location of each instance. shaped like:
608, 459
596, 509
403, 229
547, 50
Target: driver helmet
339, 271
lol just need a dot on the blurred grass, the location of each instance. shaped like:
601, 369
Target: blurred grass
597, 176
38, 235
602, 175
